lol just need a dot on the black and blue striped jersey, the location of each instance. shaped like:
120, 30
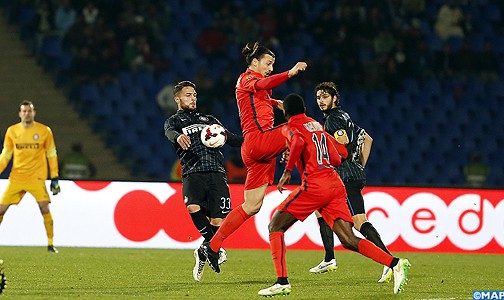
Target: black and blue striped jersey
351, 168
198, 157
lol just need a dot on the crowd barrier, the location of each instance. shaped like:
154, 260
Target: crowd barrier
153, 215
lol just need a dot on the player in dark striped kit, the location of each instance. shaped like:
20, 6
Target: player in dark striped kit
204, 180
358, 142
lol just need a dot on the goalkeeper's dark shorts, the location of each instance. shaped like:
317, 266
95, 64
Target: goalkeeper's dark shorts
210, 191
354, 194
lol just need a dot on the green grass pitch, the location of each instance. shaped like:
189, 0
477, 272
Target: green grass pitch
97, 273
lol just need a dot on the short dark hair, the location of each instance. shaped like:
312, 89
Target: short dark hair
293, 105
256, 50
26, 102
328, 87
179, 86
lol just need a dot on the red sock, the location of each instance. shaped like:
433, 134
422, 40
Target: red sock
372, 251
232, 222
277, 245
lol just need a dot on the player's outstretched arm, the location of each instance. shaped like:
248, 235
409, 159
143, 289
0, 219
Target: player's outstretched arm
298, 67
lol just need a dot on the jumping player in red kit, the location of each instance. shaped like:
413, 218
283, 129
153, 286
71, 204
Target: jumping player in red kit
314, 153
262, 141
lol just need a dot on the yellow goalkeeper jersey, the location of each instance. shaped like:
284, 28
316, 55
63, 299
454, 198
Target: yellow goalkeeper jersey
32, 149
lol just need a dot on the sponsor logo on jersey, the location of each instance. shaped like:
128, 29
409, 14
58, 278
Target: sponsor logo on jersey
194, 128
203, 118
313, 126
27, 146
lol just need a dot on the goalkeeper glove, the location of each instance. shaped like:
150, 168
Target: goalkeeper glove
3, 279
55, 188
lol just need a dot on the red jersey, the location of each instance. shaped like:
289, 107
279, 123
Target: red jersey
253, 96
310, 147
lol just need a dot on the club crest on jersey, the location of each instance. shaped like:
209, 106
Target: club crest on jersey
36, 137
203, 118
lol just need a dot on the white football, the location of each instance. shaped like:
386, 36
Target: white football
213, 136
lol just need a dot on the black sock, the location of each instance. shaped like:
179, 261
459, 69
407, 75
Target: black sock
202, 224
283, 280
370, 233
214, 228
395, 261
327, 236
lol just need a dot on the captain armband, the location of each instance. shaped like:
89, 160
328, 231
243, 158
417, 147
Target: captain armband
341, 136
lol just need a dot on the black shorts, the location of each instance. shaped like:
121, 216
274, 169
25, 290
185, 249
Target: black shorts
354, 195
210, 191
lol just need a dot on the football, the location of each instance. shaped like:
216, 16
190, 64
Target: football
213, 136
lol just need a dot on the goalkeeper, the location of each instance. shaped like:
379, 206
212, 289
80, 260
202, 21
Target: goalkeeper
32, 146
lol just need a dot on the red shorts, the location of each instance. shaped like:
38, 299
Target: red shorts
259, 151
328, 199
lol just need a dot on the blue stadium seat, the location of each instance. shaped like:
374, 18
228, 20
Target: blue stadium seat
492, 13
112, 124
89, 93
141, 152
484, 27
111, 92
366, 55
455, 43
431, 87
134, 94
434, 42
410, 86
25, 18
125, 79
476, 42
51, 47
145, 78
126, 108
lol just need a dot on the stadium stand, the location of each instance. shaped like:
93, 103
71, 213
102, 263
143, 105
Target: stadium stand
426, 108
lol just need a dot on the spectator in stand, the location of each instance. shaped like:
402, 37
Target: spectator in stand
450, 20
43, 24
165, 100
444, 62
90, 12
75, 39
236, 171
65, 17
268, 23
384, 42
137, 53
476, 172
176, 171
419, 61
243, 28
413, 8
212, 41
488, 63
293, 18
465, 62
320, 25
374, 22
76, 165
84, 67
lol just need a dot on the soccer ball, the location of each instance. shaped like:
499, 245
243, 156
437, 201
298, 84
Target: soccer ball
213, 136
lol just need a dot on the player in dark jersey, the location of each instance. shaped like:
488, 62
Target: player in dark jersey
358, 143
204, 180
313, 152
